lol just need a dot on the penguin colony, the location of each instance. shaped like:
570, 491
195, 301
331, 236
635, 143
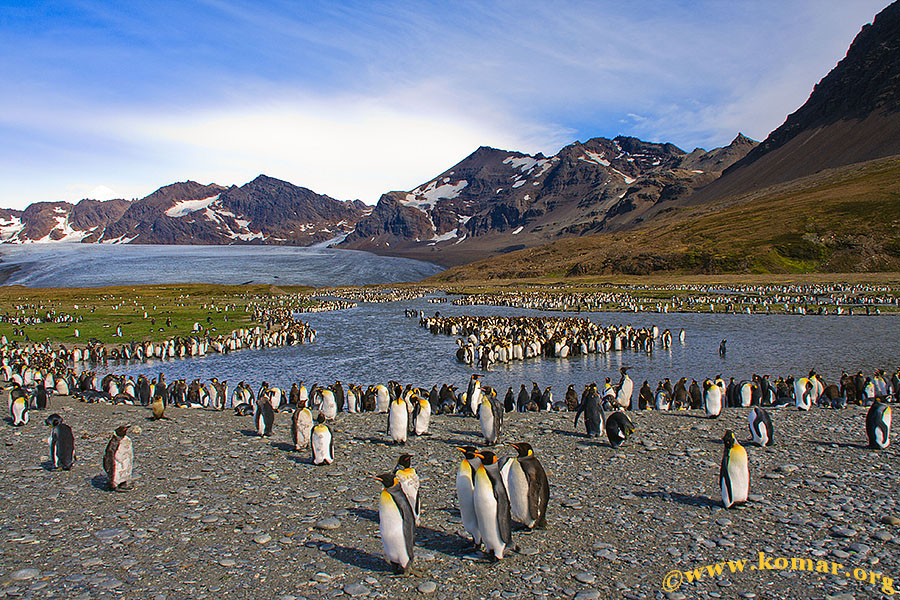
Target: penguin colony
488, 340
494, 494
819, 299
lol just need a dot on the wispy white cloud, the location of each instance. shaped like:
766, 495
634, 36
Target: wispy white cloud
356, 99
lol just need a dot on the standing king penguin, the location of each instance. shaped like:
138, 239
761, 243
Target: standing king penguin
594, 418
529, 490
18, 407
322, 443
265, 418
119, 459
492, 507
712, 399
409, 483
62, 443
396, 523
878, 425
301, 425
490, 414
761, 426
465, 491
618, 428
398, 421
734, 475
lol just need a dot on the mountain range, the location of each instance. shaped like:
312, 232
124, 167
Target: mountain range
603, 205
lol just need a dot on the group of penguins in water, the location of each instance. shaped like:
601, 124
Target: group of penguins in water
492, 491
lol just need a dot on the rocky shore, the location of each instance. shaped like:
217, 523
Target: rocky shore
218, 512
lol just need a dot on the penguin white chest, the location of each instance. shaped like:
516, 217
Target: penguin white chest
486, 512
517, 486
123, 462
398, 421
390, 524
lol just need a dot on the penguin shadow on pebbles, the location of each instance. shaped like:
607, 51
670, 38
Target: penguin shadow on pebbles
679, 498
361, 559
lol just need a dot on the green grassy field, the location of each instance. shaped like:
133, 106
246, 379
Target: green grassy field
100, 311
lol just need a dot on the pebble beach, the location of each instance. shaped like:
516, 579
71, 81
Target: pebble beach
217, 511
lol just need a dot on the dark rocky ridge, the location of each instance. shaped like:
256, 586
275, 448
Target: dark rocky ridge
265, 210
851, 116
495, 200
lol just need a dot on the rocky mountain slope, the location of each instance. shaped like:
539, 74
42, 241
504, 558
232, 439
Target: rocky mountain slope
851, 116
265, 210
496, 200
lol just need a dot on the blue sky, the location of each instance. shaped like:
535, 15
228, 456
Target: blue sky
354, 99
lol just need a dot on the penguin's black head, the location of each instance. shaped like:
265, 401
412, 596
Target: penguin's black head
53, 420
321, 418
404, 461
524, 448
728, 439
386, 479
122, 431
469, 451
487, 457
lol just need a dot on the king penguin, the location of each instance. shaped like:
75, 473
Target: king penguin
396, 523
465, 491
878, 425
398, 421
618, 428
421, 415
492, 506
119, 459
734, 475
712, 399
265, 418
528, 488
18, 407
409, 482
594, 419
490, 414
761, 426
301, 425
321, 443
62, 443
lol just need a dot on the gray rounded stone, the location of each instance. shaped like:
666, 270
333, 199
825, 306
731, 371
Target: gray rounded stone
427, 587
24, 574
328, 523
586, 578
356, 589
262, 538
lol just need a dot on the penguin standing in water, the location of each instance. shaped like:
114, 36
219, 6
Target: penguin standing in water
265, 418
618, 428
761, 426
492, 507
712, 399
396, 523
528, 488
594, 418
409, 483
878, 425
490, 414
734, 475
62, 443
465, 491
398, 421
118, 460
301, 425
322, 443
